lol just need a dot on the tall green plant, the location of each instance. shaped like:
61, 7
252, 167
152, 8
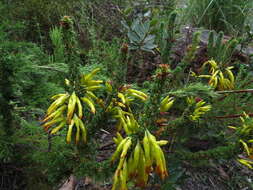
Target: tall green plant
71, 48
219, 50
56, 36
167, 37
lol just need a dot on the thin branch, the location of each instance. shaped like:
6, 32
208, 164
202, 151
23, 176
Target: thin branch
106, 146
50, 68
236, 91
233, 116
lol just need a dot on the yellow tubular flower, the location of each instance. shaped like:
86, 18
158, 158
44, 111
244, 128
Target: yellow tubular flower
136, 161
219, 79
199, 108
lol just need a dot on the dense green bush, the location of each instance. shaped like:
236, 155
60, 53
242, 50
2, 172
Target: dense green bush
39, 16
24, 89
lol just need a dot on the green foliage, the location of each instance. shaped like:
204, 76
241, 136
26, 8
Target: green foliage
167, 37
102, 17
192, 49
237, 103
92, 37
228, 16
111, 58
28, 78
39, 16
190, 54
57, 41
139, 35
195, 90
6, 147
246, 38
52, 158
221, 152
24, 90
219, 50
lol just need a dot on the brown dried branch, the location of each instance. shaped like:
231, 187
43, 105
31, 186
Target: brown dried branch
233, 116
236, 91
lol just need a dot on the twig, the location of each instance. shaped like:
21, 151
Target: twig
236, 91
104, 131
105, 146
50, 68
233, 116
